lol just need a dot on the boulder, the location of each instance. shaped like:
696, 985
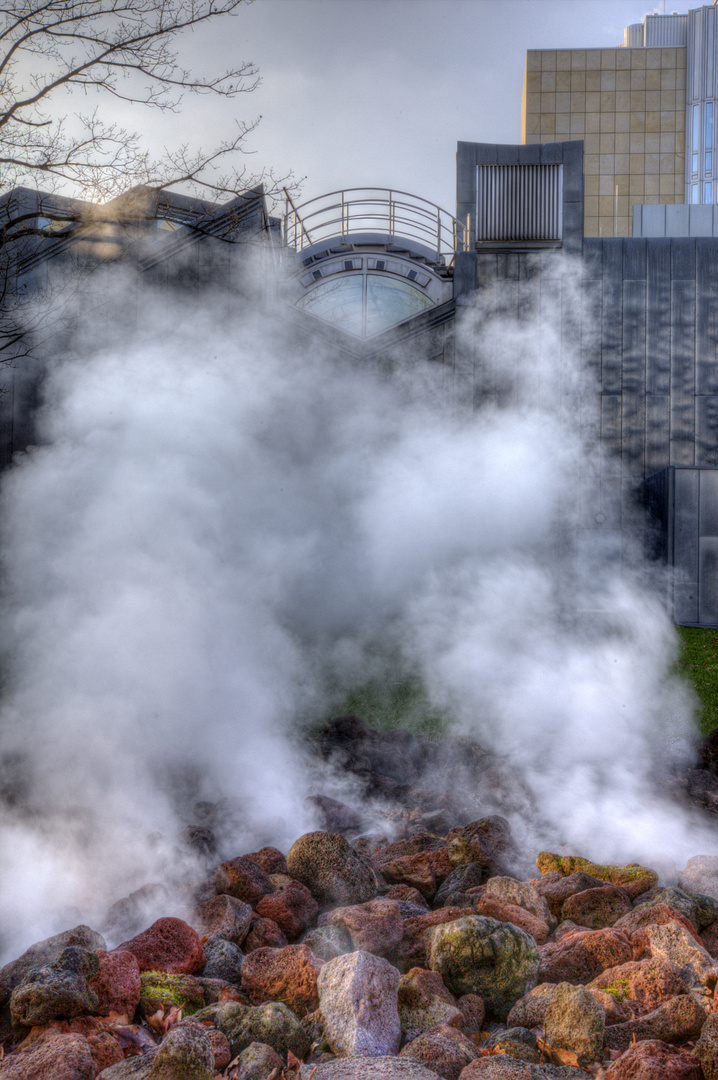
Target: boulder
257, 1062
362, 1068
700, 875
575, 1021
444, 1049
474, 954
517, 1042
494, 908
186, 1053
168, 945
358, 997
332, 871
522, 894
706, 1049
582, 956
375, 926
288, 975
224, 916
633, 879
643, 984
223, 960
425, 1002
161, 990
263, 934
675, 1021
597, 907
57, 991
243, 879
674, 943
51, 1057
117, 983
326, 942
43, 953
556, 887
292, 908
274, 1024
655, 1060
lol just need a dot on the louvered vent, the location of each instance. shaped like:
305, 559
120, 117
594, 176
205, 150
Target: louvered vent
518, 202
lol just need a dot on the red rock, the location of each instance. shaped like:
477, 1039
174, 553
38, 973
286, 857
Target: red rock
168, 945
104, 1047
224, 915
709, 937
675, 1021
424, 1002
375, 926
263, 934
52, 1057
288, 975
499, 909
411, 950
444, 1049
117, 983
292, 908
406, 892
220, 1049
597, 907
473, 1011
582, 956
642, 985
423, 871
634, 924
244, 879
556, 889
654, 1060
270, 859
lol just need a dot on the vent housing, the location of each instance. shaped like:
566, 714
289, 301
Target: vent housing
519, 204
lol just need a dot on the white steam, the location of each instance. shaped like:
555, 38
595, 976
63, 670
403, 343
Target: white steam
221, 521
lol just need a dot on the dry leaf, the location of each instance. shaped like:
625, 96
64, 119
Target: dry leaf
557, 1056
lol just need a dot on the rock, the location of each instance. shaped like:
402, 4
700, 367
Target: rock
655, 1060
582, 956
288, 975
460, 880
257, 1061
473, 1012
645, 984
675, 1021
411, 951
375, 927
497, 961
706, 1049
575, 1021
368, 1068
529, 1010
522, 894
651, 915
331, 870
556, 888
168, 945
597, 908
51, 1057
700, 875
132, 1068
274, 1024
326, 942
407, 894
483, 841
362, 1068
59, 990
633, 879
699, 910
673, 942
425, 1002
223, 960
518, 1042
184, 1054
358, 997
292, 908
220, 1049
43, 953
332, 815
224, 916
444, 1049
161, 990
270, 859
243, 879
494, 908
424, 871
263, 934
117, 983
506, 1067
104, 1046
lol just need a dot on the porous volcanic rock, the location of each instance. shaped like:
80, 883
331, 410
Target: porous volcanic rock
582, 956
258, 1062
376, 926
116, 983
379, 1068
425, 1002
168, 945
288, 975
224, 916
223, 960
51, 1057
274, 1024
292, 908
263, 934
59, 990
244, 879
474, 954
43, 953
633, 879
655, 1060
444, 1049
575, 1021
331, 870
598, 907
494, 908
644, 984
706, 1049
676, 1020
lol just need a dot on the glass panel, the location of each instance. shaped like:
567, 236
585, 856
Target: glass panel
708, 192
694, 193
709, 161
391, 301
696, 126
338, 301
709, 124
694, 164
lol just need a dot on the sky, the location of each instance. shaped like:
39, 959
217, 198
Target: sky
378, 92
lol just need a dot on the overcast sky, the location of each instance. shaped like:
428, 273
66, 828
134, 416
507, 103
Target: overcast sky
378, 92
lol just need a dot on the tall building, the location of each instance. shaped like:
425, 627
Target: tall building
646, 112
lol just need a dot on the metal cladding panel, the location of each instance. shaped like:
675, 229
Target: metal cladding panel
658, 322
612, 317
685, 525
708, 580
519, 202
634, 259
707, 430
685, 603
634, 376
707, 317
611, 430
664, 31
708, 502
683, 373
658, 419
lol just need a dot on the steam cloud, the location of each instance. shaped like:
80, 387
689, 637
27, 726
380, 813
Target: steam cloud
223, 525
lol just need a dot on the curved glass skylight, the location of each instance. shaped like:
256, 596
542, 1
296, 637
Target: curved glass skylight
364, 304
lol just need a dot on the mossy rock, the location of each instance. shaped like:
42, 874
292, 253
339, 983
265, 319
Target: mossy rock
161, 990
632, 878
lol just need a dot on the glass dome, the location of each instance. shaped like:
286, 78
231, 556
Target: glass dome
365, 304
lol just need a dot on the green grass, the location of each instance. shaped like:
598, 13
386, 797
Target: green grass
698, 662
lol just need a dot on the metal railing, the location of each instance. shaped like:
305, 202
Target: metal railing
397, 215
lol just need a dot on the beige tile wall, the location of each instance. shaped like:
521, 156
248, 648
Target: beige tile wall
629, 107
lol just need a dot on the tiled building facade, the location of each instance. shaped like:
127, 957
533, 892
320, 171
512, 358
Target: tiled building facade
628, 105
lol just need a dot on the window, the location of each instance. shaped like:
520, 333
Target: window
694, 193
709, 161
696, 127
365, 305
708, 192
709, 125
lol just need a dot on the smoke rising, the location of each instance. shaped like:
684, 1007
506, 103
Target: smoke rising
224, 525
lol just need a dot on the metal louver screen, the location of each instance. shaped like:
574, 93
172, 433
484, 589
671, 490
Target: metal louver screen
518, 202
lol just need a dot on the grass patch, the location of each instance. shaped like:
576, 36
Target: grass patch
386, 705
698, 663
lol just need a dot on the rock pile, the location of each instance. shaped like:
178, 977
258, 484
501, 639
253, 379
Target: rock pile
423, 954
